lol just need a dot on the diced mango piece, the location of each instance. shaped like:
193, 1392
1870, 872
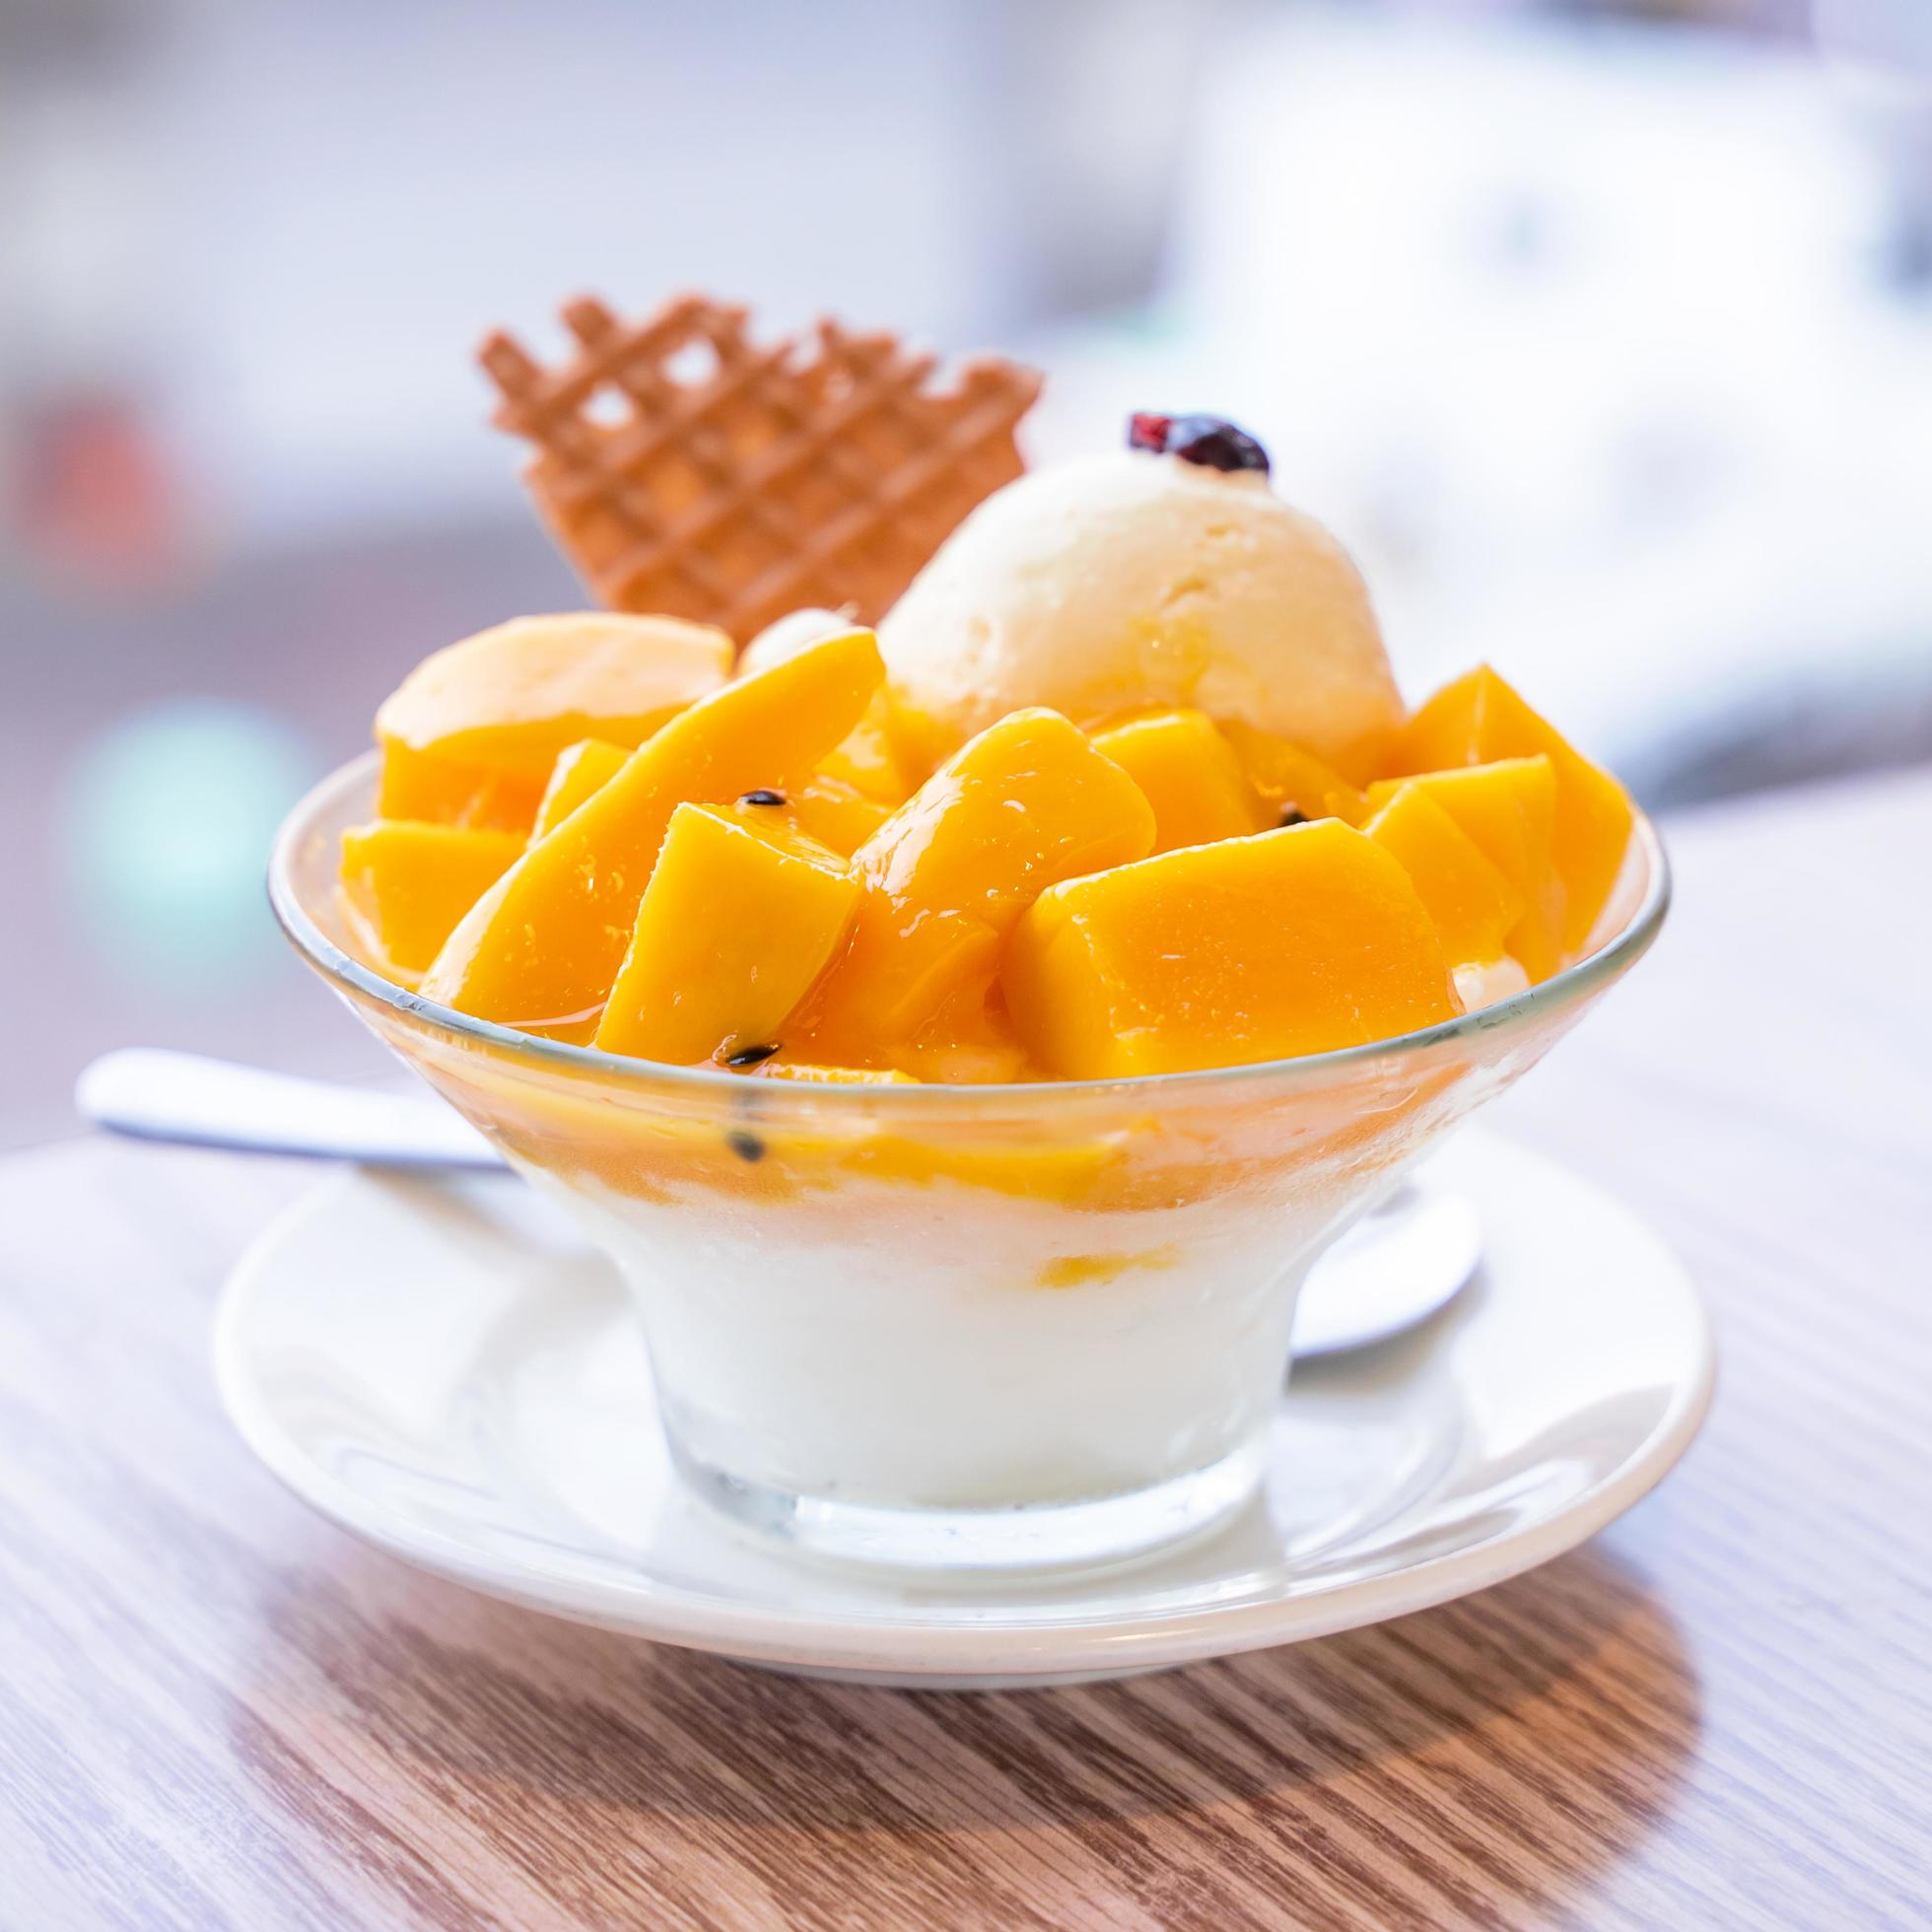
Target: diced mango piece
543, 946
1290, 941
1191, 778
1508, 809
1293, 778
967, 1040
581, 768
737, 921
1026, 804
1480, 719
806, 1071
514, 695
422, 788
405, 885
1473, 906
867, 759
833, 813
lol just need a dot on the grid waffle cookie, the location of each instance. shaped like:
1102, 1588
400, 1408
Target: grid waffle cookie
687, 470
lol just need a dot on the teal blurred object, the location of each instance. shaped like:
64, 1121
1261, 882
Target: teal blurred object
169, 812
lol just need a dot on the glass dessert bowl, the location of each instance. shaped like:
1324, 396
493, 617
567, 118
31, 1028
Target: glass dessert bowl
959, 1326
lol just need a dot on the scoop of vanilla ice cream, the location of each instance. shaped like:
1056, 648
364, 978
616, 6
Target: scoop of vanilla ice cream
1131, 580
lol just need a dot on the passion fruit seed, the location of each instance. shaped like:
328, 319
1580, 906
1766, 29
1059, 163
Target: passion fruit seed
761, 798
750, 1056
1293, 815
1213, 441
747, 1147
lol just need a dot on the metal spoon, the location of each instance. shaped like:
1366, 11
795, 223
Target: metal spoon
1406, 1257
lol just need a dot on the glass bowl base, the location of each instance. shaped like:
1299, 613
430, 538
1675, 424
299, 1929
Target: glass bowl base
1102, 1532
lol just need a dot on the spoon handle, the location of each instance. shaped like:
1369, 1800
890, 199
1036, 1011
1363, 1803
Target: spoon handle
185, 1097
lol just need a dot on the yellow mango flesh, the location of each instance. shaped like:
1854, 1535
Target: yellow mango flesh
867, 759
1508, 811
541, 947
1284, 942
738, 919
405, 885
1473, 906
1026, 804
828, 809
1290, 778
1480, 719
581, 768
512, 697
1190, 776
815, 1075
420, 786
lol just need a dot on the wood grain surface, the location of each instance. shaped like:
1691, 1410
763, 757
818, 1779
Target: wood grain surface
217, 1711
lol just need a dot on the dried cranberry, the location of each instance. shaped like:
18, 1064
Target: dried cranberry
1210, 440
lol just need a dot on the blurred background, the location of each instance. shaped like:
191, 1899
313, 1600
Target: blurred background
1601, 334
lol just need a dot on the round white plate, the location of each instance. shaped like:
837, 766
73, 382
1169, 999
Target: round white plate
443, 1367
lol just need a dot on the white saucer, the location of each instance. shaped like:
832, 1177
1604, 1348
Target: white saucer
445, 1368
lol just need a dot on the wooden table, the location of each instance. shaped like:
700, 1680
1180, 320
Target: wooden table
215, 1711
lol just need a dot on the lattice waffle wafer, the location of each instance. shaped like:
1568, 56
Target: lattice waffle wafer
687, 470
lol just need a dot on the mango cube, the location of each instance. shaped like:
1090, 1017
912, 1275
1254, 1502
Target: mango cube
405, 885
738, 919
815, 1075
420, 786
1473, 906
1507, 809
581, 768
1191, 778
541, 947
1480, 719
1026, 804
1291, 777
867, 758
1283, 942
835, 813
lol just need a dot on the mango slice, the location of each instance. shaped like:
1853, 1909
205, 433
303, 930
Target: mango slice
739, 918
1473, 906
1283, 942
581, 768
868, 760
1291, 777
513, 696
1191, 778
1480, 719
541, 947
1508, 810
1026, 804
420, 786
405, 885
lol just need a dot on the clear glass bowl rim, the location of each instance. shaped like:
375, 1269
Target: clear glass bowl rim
1573, 985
